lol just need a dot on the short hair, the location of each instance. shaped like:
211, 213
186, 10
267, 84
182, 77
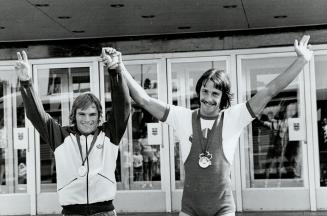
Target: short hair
221, 82
83, 101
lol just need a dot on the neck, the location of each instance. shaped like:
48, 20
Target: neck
86, 133
209, 115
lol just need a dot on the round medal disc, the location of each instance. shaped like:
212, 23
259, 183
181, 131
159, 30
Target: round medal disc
82, 171
204, 162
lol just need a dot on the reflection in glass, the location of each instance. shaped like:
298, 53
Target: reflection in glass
57, 88
274, 160
321, 92
138, 162
13, 170
21, 153
184, 78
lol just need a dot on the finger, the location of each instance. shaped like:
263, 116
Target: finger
106, 49
25, 56
103, 52
119, 57
19, 56
306, 40
111, 50
296, 44
302, 41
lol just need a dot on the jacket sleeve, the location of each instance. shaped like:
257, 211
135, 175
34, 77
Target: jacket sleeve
121, 106
48, 128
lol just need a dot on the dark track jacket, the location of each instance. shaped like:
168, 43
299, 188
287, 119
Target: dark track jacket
99, 184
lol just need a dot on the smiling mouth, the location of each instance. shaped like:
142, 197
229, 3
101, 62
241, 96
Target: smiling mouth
208, 103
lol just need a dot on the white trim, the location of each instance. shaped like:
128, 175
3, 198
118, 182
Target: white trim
314, 119
102, 89
242, 139
165, 147
37, 142
95, 79
319, 191
309, 131
236, 174
66, 60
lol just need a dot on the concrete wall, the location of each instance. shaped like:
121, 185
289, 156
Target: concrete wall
164, 44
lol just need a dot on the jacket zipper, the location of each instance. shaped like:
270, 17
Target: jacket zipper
87, 176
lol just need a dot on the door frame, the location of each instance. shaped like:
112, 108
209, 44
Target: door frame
26, 201
133, 200
307, 152
320, 192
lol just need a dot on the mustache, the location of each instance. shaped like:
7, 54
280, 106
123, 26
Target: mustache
207, 102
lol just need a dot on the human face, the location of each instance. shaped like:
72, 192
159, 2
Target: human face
87, 119
210, 98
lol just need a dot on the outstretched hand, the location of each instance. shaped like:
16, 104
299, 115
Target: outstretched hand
303, 49
22, 67
111, 57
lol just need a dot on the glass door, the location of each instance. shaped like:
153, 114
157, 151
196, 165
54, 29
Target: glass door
319, 110
183, 75
274, 149
141, 173
58, 84
15, 153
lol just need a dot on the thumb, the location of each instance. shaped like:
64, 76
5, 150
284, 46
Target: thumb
120, 59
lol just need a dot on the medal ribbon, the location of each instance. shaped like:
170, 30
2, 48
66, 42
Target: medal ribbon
91, 147
205, 147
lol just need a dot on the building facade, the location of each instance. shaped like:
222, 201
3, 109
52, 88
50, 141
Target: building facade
280, 163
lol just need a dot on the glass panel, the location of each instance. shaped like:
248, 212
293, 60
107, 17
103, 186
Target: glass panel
273, 159
13, 170
21, 153
184, 79
138, 163
57, 88
321, 92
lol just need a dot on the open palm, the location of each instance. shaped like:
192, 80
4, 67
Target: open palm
303, 49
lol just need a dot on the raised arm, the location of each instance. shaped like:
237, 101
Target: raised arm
49, 130
304, 54
115, 126
155, 107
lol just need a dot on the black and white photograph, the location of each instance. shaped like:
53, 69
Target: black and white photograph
163, 107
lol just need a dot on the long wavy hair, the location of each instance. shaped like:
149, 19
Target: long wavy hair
221, 82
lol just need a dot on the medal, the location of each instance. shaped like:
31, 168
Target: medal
205, 156
100, 146
82, 171
205, 159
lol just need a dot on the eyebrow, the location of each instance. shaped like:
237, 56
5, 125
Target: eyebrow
81, 111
